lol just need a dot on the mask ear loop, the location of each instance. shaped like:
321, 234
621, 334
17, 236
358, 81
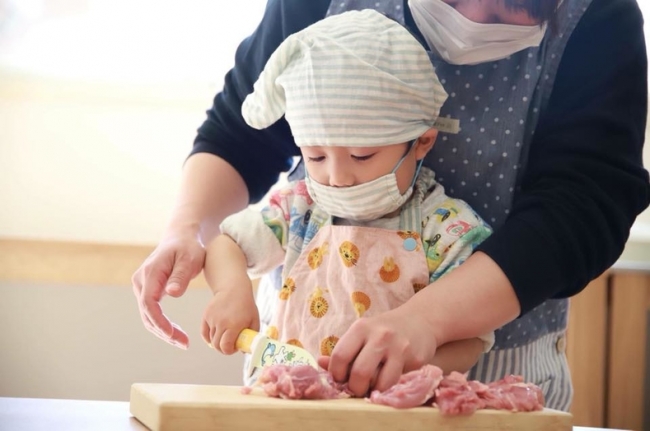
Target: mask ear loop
417, 170
411, 145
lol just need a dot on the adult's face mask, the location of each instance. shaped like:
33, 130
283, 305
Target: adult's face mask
459, 40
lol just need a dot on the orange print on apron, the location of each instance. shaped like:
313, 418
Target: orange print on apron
346, 273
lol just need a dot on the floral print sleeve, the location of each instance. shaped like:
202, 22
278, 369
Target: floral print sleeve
450, 235
264, 236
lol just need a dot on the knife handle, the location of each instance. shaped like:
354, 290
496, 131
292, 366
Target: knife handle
245, 340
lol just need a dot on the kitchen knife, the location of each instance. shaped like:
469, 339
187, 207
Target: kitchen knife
265, 351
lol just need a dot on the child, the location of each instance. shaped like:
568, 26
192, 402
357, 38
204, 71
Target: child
369, 226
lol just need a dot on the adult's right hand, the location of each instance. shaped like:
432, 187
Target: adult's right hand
168, 270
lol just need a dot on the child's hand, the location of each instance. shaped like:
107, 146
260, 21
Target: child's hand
230, 310
376, 351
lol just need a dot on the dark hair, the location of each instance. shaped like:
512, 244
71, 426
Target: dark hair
544, 10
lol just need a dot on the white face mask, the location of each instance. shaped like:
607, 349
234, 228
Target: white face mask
363, 202
459, 40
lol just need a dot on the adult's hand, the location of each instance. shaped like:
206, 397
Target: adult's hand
470, 301
375, 351
211, 189
167, 271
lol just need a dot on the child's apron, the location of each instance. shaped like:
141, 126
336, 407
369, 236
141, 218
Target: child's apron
346, 273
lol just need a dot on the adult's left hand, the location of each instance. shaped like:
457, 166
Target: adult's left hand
377, 350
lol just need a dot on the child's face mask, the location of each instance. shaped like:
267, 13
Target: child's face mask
366, 201
458, 40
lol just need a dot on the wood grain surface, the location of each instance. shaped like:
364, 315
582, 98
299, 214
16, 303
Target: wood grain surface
167, 407
587, 352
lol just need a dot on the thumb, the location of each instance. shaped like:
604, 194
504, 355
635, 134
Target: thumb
179, 279
186, 267
323, 362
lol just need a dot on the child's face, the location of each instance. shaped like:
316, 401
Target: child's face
351, 166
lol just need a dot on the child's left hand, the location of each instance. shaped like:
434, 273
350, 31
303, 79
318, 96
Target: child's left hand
377, 350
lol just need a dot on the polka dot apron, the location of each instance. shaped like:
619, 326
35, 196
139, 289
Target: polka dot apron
345, 273
497, 105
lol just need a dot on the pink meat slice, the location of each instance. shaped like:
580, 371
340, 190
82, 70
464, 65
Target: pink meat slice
511, 393
452, 394
299, 382
456, 396
413, 389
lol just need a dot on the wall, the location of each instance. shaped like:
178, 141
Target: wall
87, 342
99, 104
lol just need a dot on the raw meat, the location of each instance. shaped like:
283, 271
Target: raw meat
456, 396
299, 382
412, 390
511, 393
452, 394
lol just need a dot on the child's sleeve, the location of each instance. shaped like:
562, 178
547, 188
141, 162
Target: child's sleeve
449, 238
263, 235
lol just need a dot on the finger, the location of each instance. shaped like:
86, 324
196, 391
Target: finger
228, 340
323, 362
205, 333
364, 369
179, 337
152, 281
149, 326
255, 324
389, 373
153, 312
182, 273
137, 288
180, 341
215, 338
136, 284
345, 352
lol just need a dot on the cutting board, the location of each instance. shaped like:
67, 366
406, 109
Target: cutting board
172, 407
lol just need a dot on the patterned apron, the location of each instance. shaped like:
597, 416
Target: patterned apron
345, 273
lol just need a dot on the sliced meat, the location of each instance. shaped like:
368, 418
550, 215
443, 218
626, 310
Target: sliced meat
299, 382
456, 396
412, 390
511, 393
452, 394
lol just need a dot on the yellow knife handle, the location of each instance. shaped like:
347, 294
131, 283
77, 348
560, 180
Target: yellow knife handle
245, 340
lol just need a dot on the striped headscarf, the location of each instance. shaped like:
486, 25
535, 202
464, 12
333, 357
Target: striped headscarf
358, 79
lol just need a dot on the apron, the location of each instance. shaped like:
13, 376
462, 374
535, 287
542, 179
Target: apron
345, 273
498, 106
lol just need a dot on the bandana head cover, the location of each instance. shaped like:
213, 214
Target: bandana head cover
358, 79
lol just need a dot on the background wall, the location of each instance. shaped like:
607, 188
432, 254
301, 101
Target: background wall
87, 342
99, 103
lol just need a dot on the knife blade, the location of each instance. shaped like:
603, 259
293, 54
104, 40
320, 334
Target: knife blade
266, 351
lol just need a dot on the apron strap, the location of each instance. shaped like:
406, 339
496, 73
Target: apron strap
410, 218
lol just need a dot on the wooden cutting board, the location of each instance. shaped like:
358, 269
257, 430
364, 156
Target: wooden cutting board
171, 407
